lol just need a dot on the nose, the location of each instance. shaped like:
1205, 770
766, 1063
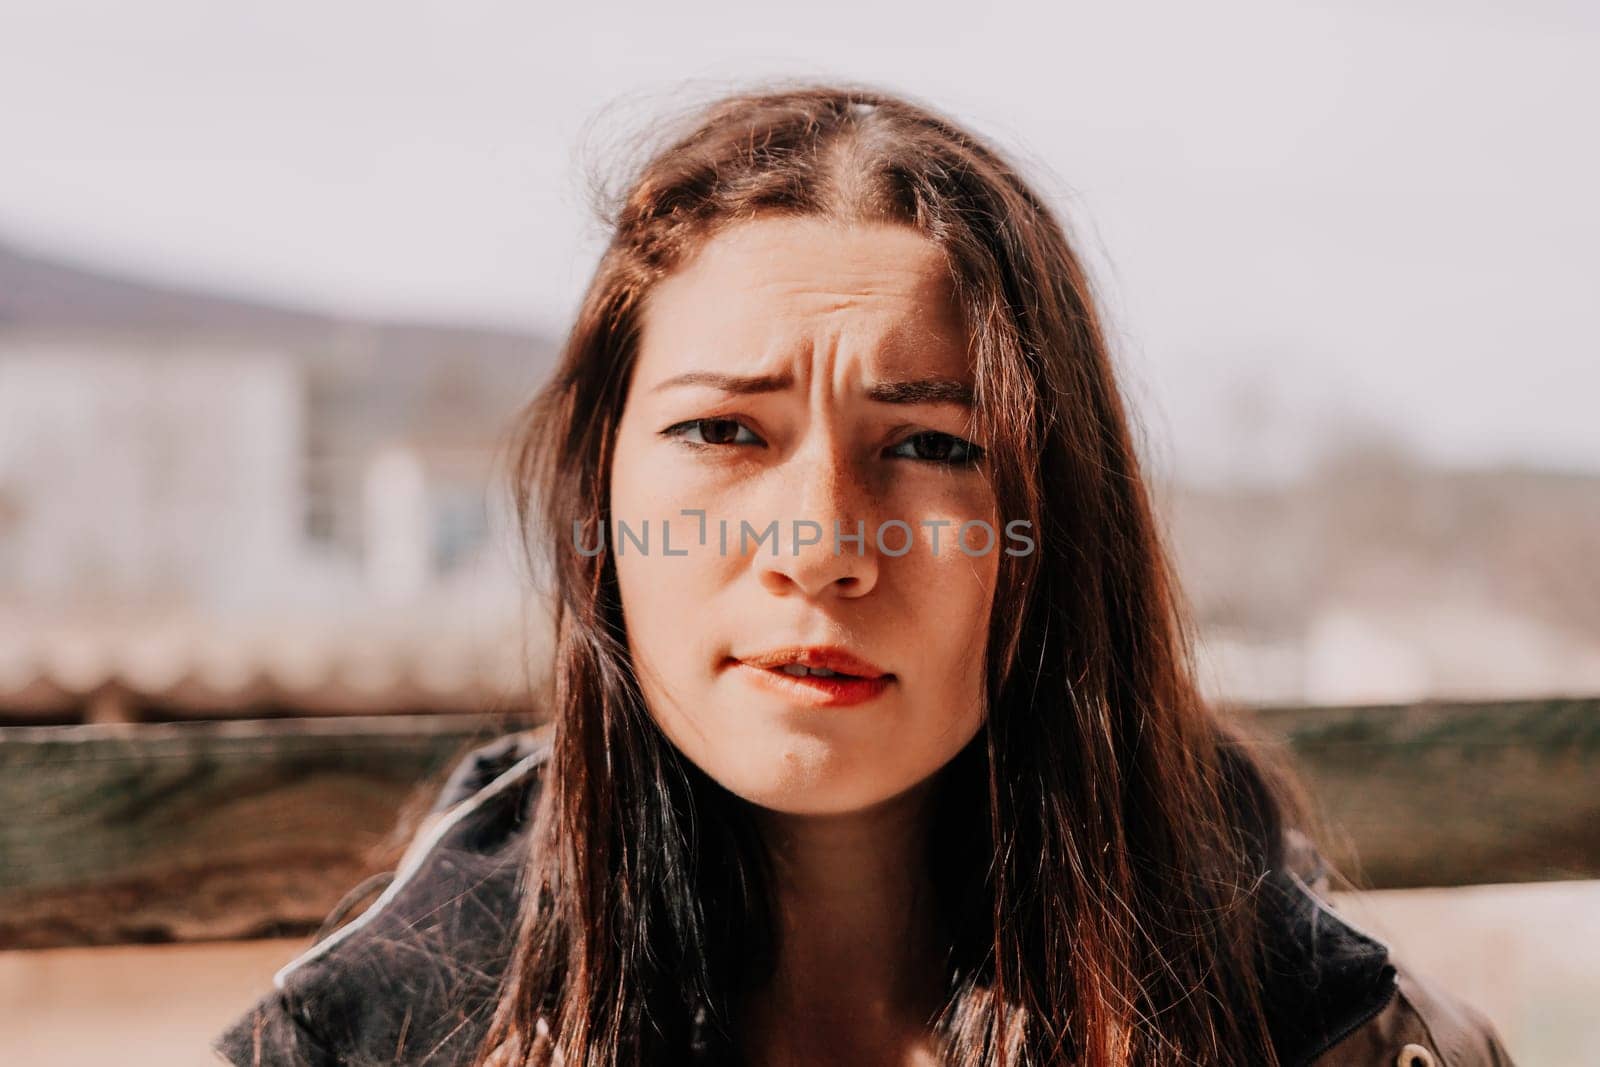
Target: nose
829, 494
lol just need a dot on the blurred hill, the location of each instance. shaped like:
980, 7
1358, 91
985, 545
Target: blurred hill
43, 293
1381, 577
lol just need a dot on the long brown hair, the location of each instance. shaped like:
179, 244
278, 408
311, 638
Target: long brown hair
1098, 841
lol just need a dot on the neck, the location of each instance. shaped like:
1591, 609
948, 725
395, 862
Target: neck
858, 936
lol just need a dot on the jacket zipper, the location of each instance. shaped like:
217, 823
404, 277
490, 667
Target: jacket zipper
1352, 1026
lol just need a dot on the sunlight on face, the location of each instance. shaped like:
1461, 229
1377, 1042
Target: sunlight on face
858, 415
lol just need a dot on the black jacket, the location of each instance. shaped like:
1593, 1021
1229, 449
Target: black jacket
412, 979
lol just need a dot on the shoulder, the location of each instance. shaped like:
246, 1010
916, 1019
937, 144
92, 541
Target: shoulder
1422, 1025
1337, 996
414, 976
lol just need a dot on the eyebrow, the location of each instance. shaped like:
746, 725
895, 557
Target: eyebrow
911, 391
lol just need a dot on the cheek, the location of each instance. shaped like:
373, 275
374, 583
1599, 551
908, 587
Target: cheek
644, 576
660, 626
948, 601
968, 613
953, 586
661, 610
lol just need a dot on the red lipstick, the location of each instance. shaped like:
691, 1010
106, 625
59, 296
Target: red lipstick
854, 680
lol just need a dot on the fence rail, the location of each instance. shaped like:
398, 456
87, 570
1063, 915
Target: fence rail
114, 833
1457, 793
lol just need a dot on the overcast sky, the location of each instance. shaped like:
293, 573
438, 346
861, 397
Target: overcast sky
1300, 214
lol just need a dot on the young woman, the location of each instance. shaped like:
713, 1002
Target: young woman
875, 736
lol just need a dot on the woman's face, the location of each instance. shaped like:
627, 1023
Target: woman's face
800, 372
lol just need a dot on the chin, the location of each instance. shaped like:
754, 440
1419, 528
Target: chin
809, 776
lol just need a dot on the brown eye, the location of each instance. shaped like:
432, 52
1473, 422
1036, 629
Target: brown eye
701, 433
936, 447
719, 431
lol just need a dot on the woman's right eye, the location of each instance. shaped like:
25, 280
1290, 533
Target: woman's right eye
710, 432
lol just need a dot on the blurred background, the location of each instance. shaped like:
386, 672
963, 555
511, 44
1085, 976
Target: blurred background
274, 282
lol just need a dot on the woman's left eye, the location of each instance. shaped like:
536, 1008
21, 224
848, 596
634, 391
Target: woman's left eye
939, 447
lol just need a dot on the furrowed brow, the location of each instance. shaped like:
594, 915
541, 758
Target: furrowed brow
922, 391
739, 384
912, 391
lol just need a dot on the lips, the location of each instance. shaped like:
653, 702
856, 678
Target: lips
855, 681
825, 657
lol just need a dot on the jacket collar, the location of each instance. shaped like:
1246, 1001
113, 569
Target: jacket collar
433, 946
1322, 975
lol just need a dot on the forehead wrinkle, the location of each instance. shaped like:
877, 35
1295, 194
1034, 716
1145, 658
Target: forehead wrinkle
804, 315
802, 304
882, 368
846, 285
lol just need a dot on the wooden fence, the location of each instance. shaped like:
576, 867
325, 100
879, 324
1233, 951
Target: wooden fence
114, 833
